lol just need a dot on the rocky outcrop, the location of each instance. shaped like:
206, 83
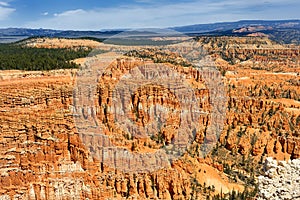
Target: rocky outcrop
254, 53
44, 156
60, 43
281, 180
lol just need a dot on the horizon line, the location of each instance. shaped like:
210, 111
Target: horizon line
126, 29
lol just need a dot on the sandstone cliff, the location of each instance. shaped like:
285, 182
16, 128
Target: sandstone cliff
43, 155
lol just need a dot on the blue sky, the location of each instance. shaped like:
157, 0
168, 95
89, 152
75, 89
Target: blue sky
97, 14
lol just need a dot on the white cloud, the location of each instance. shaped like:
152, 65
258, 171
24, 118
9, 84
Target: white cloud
5, 10
45, 13
2, 3
71, 13
157, 15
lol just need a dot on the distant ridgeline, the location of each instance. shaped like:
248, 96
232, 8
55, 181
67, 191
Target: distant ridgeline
18, 57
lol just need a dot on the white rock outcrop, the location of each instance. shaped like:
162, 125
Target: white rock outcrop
281, 180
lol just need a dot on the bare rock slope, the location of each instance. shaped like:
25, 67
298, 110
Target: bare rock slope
281, 180
42, 155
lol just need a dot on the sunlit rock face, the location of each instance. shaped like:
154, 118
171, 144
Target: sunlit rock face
43, 154
281, 180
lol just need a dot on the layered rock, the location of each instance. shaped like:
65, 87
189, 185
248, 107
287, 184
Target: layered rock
44, 156
60, 43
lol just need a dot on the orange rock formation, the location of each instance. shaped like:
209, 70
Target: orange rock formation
42, 155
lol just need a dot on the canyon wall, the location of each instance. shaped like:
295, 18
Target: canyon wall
43, 154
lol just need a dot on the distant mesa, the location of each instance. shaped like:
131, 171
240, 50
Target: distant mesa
285, 31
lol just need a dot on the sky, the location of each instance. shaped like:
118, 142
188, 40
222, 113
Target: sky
117, 14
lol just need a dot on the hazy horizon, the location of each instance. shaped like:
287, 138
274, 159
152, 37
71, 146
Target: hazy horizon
128, 14
125, 29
